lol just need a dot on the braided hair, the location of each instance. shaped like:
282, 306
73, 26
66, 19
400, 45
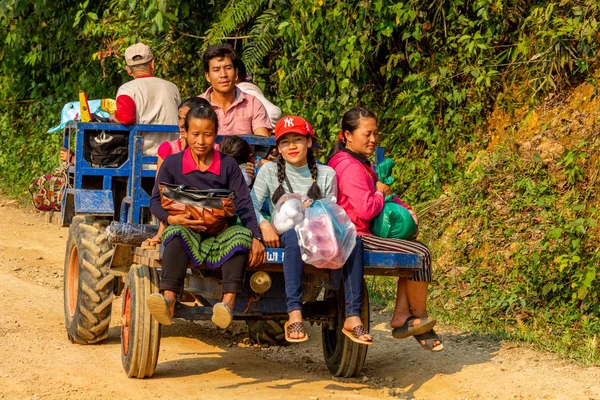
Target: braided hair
314, 192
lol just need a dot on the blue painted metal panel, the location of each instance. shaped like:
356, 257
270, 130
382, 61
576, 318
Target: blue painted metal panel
132, 168
392, 260
254, 140
257, 140
371, 259
134, 186
379, 155
94, 202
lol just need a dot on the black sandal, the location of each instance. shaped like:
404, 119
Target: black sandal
430, 338
410, 329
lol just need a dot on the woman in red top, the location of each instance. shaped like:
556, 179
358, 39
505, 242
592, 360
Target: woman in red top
363, 197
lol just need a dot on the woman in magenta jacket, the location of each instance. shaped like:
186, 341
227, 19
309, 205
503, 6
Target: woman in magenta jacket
362, 197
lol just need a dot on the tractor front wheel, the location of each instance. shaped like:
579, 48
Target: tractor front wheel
140, 332
88, 284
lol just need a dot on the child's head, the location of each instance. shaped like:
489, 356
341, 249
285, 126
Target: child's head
183, 109
201, 124
294, 137
237, 148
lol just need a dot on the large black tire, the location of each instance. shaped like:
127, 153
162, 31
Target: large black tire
343, 357
267, 331
140, 333
88, 283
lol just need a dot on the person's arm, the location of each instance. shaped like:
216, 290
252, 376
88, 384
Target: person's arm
261, 124
260, 192
262, 132
125, 113
242, 202
164, 151
331, 189
164, 176
366, 201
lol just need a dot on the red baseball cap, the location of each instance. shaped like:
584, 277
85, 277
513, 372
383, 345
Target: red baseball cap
293, 124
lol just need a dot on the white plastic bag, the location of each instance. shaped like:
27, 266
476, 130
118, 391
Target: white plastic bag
288, 212
326, 236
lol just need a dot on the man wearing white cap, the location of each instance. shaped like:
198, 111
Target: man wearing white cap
147, 99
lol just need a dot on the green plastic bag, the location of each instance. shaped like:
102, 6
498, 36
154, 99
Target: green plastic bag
394, 221
384, 171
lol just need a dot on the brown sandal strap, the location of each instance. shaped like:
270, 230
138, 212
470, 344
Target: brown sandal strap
295, 327
359, 331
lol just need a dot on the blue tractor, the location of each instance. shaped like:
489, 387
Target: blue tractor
96, 269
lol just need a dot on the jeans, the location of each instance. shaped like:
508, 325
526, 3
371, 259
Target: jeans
353, 273
293, 266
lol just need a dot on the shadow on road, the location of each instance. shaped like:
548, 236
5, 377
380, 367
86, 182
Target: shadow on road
401, 366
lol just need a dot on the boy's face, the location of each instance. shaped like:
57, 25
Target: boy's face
222, 75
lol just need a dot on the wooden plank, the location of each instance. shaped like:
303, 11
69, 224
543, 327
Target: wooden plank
148, 253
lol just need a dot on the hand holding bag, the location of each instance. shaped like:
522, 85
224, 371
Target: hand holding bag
211, 207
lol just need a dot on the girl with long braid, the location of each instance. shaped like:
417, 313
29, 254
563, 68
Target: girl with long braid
296, 171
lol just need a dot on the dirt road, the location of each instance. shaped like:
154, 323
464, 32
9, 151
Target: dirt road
197, 361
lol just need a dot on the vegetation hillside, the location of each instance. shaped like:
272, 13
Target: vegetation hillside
488, 107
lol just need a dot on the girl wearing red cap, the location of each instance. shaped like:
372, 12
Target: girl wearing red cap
296, 171
362, 197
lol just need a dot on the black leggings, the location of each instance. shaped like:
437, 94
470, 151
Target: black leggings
175, 262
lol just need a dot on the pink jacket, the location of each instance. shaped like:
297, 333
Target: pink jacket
356, 191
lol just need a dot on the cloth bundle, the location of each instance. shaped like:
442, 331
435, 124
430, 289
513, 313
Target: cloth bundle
395, 220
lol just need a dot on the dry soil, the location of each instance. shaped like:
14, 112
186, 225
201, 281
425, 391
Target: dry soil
198, 361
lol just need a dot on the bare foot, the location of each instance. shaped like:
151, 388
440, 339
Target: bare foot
171, 298
398, 320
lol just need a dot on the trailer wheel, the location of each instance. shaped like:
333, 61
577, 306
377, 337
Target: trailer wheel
343, 357
140, 333
88, 284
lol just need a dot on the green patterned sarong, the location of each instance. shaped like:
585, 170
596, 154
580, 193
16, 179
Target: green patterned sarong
212, 251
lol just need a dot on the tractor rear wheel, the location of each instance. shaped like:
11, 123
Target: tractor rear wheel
140, 333
343, 357
88, 284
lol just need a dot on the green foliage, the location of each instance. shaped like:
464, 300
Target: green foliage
432, 71
521, 255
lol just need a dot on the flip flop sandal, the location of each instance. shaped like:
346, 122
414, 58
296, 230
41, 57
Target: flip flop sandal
159, 308
295, 327
408, 329
222, 315
356, 333
430, 338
